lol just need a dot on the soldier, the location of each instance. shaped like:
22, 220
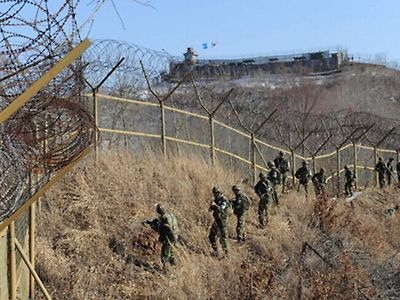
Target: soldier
348, 187
262, 189
240, 205
389, 170
274, 177
303, 174
219, 206
319, 180
283, 165
167, 227
381, 169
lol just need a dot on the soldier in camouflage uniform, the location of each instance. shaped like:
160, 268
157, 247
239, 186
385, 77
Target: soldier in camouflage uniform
240, 205
348, 187
219, 206
303, 174
381, 169
167, 227
283, 166
389, 170
274, 177
319, 180
262, 189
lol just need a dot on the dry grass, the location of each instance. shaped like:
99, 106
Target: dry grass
92, 245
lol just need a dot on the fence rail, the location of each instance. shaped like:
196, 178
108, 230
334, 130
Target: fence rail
178, 128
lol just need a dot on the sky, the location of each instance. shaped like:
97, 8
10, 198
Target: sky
239, 28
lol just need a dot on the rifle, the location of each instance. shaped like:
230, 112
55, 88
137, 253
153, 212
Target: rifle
154, 224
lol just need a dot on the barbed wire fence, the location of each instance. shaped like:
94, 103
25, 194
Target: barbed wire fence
203, 118
54, 127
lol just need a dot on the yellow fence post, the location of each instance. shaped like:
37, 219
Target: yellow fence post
293, 168
212, 140
95, 121
355, 165
338, 171
12, 262
32, 269
32, 227
375, 174
253, 159
314, 163
31, 91
163, 142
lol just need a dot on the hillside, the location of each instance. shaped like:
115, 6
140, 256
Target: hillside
91, 243
357, 87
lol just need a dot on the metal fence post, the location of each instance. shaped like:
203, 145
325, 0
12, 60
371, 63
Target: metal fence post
212, 140
12, 261
314, 162
95, 122
32, 226
293, 168
253, 158
375, 174
355, 165
338, 171
164, 146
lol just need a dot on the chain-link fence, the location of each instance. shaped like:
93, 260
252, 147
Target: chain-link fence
134, 125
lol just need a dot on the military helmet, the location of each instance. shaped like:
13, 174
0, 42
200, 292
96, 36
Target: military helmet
261, 175
270, 164
160, 209
304, 163
236, 188
216, 190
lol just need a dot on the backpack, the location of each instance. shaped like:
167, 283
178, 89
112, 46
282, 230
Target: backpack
170, 223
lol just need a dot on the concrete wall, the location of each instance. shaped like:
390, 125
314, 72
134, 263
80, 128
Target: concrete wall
235, 70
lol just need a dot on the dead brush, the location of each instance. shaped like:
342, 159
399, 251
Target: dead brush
113, 256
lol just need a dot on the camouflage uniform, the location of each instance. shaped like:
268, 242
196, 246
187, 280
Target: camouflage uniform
240, 205
262, 189
303, 174
283, 165
319, 180
274, 177
381, 169
389, 170
167, 227
348, 187
219, 206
